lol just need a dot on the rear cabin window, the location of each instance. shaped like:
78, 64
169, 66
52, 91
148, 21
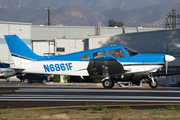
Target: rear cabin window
99, 54
85, 57
117, 53
131, 52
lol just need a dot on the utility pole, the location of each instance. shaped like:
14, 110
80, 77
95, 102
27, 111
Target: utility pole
173, 18
48, 9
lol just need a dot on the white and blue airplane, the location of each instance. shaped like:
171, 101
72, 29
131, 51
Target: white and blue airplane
114, 63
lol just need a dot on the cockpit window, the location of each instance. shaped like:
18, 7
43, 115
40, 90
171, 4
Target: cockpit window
117, 53
131, 52
85, 57
99, 54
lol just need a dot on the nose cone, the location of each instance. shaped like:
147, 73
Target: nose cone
169, 58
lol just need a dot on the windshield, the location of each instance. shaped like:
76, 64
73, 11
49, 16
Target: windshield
131, 52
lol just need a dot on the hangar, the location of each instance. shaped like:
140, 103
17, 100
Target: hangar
53, 40
68, 39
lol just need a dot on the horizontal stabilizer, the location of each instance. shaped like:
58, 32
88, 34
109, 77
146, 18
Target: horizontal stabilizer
17, 69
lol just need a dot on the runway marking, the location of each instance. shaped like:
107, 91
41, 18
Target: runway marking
63, 107
81, 97
89, 90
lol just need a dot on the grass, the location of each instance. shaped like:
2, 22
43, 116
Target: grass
98, 112
65, 111
105, 118
6, 111
60, 111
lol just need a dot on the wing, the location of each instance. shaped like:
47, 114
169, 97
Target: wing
112, 65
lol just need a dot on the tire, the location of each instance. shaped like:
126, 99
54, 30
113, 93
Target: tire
108, 84
26, 81
155, 85
44, 81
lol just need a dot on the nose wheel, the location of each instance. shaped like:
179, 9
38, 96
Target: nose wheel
153, 82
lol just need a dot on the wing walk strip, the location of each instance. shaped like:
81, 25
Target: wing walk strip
62, 107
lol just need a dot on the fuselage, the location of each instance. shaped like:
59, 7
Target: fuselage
77, 63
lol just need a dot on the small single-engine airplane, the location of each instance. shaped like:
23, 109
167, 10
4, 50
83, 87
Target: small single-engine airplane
114, 63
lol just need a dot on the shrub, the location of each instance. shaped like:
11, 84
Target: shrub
84, 108
96, 79
100, 107
56, 78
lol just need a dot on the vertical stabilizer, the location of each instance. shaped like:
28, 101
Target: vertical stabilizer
20, 52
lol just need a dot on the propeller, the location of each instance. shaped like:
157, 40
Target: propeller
168, 58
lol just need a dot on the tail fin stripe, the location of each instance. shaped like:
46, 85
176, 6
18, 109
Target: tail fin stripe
21, 57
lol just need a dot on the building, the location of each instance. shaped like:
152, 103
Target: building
23, 30
49, 40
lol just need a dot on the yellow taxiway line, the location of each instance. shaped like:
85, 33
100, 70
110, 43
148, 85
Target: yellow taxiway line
6, 91
63, 107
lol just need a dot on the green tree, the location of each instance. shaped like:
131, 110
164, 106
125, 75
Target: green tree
113, 23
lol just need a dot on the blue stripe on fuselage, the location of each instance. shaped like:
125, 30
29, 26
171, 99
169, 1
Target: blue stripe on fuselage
139, 58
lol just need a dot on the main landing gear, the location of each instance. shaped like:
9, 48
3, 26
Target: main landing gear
107, 83
153, 82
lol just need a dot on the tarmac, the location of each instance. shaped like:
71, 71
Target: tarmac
17, 81
73, 84
144, 85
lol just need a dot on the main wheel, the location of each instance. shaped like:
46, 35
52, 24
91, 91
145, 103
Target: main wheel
26, 81
108, 84
153, 85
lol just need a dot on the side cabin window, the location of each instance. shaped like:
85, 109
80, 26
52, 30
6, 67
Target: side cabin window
99, 54
117, 53
85, 57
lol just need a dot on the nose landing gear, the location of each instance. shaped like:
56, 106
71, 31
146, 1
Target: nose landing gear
153, 82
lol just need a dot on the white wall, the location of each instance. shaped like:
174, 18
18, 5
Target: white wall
70, 45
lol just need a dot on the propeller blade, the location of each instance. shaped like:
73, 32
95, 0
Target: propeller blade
166, 67
168, 58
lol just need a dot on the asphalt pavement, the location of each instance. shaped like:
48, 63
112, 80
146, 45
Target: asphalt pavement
38, 95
